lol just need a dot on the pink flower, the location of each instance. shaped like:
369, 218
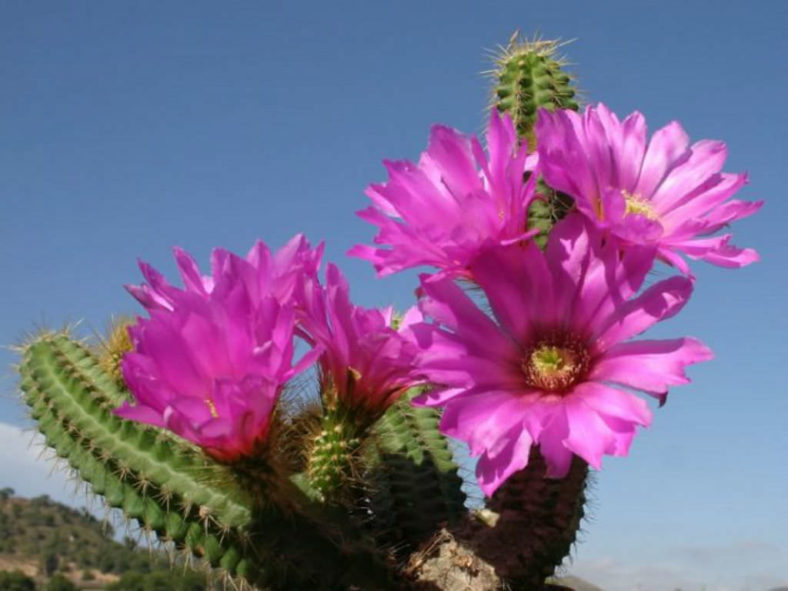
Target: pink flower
366, 363
555, 366
277, 272
211, 361
666, 193
442, 211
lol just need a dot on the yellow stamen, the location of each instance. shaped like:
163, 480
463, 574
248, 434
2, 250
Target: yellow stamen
637, 205
211, 408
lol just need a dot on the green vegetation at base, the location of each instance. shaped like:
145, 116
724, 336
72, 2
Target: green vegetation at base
70, 550
161, 581
16, 581
60, 583
56, 537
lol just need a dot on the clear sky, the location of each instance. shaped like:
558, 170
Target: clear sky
126, 128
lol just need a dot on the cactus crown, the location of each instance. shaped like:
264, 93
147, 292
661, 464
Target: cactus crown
529, 75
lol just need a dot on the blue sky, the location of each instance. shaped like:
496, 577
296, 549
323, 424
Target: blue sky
126, 128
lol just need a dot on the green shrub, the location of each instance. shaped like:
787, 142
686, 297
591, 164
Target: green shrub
16, 581
60, 583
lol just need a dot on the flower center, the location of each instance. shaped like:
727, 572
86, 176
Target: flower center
556, 362
637, 205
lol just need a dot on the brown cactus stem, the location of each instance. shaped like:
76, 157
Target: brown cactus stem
526, 531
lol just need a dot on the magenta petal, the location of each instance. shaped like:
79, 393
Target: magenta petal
659, 302
588, 436
614, 403
553, 447
517, 286
450, 306
705, 160
718, 251
651, 366
480, 418
451, 153
195, 410
363, 359
667, 147
437, 397
141, 414
190, 272
307, 360
623, 433
501, 461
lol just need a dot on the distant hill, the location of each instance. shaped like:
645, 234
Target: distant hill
575, 583
40, 537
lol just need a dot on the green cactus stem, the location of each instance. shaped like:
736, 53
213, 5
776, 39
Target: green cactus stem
179, 493
333, 455
135, 469
539, 517
517, 542
65, 377
529, 75
546, 209
412, 485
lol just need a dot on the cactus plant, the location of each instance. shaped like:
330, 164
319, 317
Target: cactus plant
184, 423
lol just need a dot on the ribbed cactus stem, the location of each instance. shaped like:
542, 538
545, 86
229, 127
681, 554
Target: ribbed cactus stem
537, 522
206, 508
545, 211
529, 76
72, 399
516, 543
411, 482
333, 455
69, 381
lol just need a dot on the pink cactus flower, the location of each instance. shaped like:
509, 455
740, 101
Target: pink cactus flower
211, 361
456, 200
667, 193
277, 272
366, 362
555, 366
